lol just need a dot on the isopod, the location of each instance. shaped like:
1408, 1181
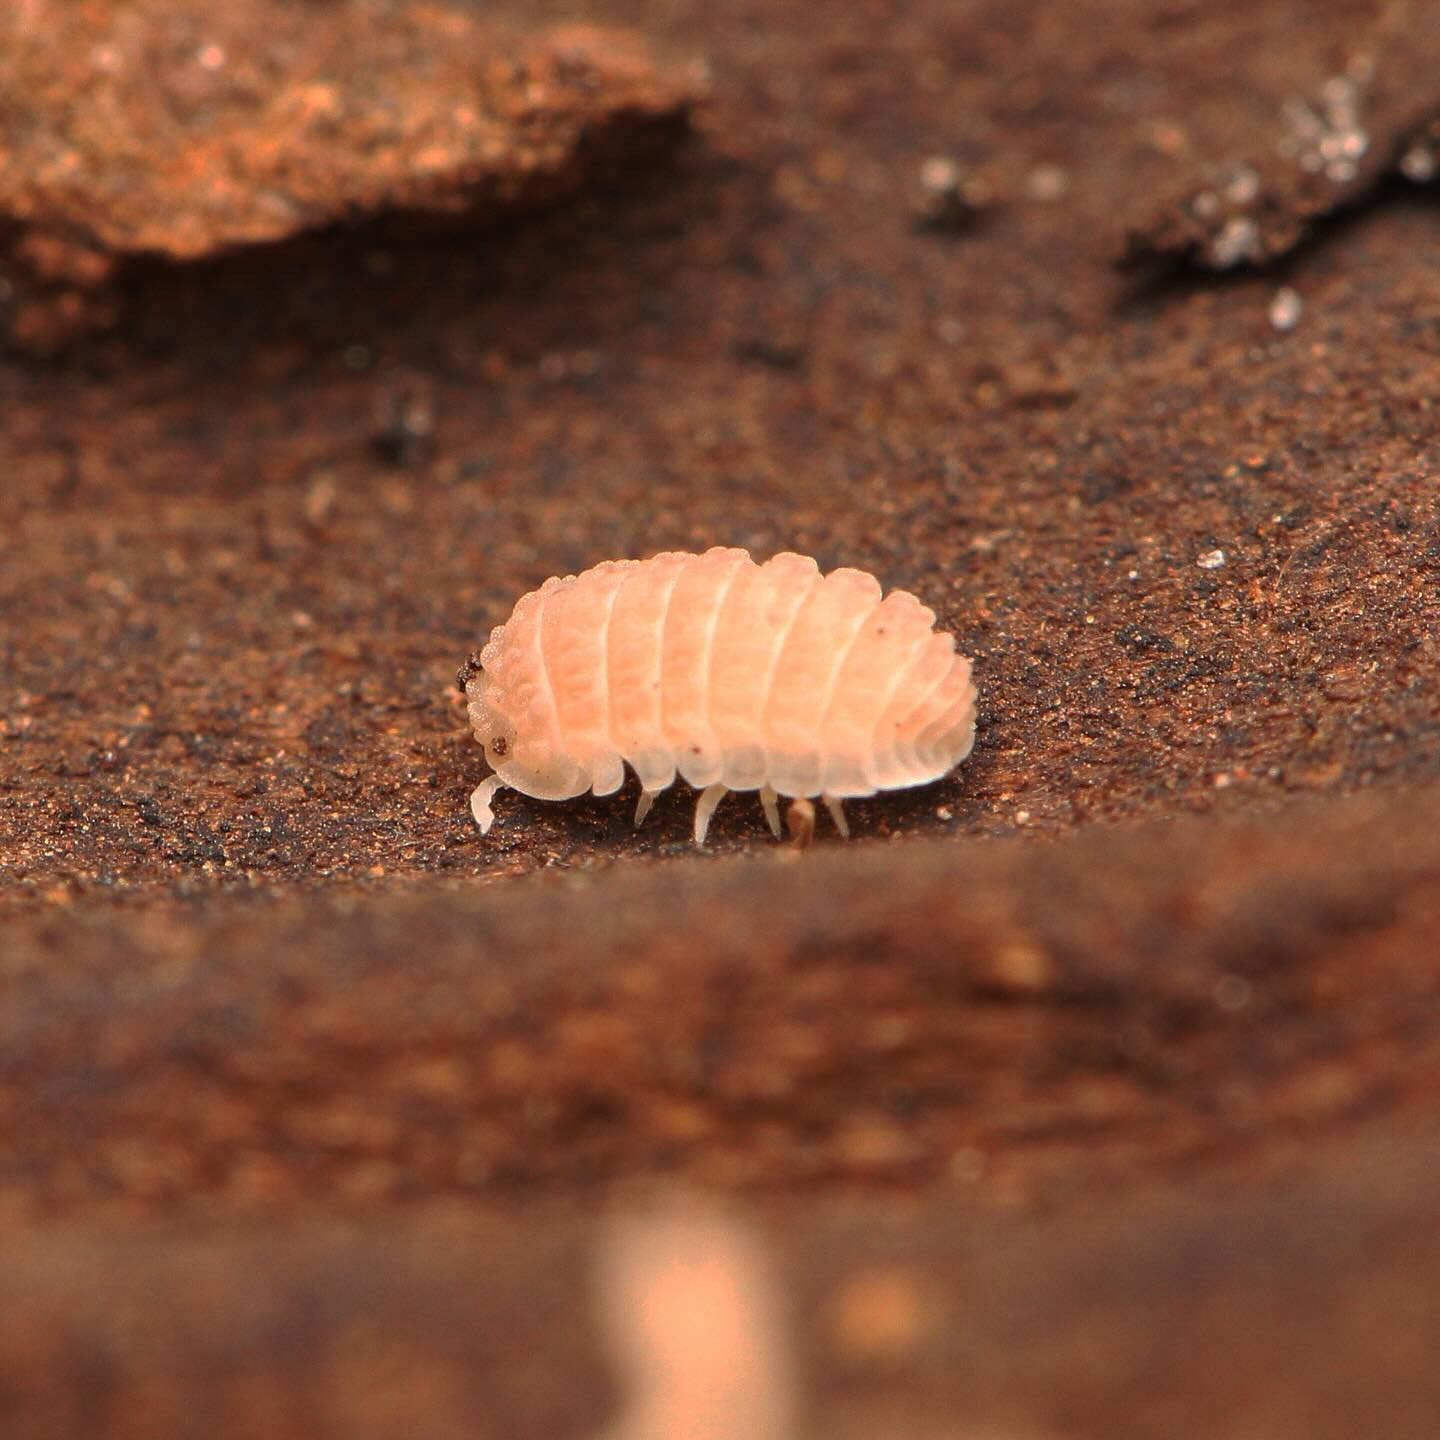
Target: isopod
733, 674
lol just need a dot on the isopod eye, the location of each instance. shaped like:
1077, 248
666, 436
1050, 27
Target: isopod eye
499, 744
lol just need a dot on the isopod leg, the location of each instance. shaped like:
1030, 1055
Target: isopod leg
800, 818
837, 814
480, 800
768, 803
710, 797
647, 799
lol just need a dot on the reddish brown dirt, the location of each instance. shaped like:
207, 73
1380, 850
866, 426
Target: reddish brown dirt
1062, 1018
1309, 1310
1172, 925
182, 131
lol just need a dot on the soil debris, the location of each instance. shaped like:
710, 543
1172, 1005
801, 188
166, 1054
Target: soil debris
1328, 151
951, 197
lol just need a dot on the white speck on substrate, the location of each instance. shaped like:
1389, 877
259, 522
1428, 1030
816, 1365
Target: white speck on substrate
1046, 183
1327, 137
940, 175
1286, 308
1238, 241
1419, 163
1242, 187
1211, 560
1022, 817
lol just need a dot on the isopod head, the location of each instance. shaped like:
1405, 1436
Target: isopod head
522, 762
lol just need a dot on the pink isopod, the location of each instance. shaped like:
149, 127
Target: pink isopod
735, 675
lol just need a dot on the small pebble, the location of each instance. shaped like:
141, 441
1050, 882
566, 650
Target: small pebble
950, 197
879, 1314
403, 430
318, 506
940, 175
1419, 163
1020, 967
1327, 137
1046, 183
1211, 560
1242, 186
1239, 240
1286, 308
1205, 206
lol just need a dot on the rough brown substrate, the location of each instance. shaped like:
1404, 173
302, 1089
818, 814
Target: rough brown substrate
182, 130
901, 1016
1173, 925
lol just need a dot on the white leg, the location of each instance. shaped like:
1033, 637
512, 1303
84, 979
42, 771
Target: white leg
647, 799
837, 814
480, 800
771, 808
710, 797
800, 817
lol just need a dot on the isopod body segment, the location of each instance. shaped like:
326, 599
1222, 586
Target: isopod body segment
730, 674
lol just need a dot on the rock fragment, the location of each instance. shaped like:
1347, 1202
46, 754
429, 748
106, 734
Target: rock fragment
183, 130
1328, 150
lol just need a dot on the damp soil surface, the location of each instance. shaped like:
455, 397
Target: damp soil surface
1110, 330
